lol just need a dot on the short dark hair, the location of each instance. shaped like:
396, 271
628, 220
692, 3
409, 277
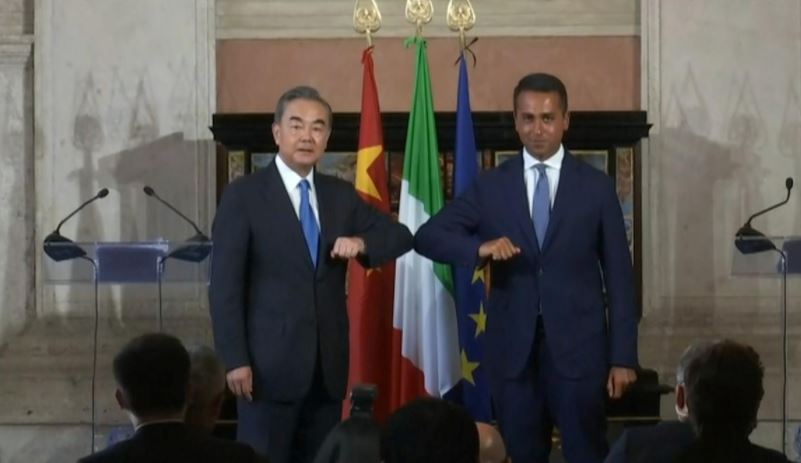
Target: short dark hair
356, 439
724, 390
429, 430
541, 82
152, 371
301, 92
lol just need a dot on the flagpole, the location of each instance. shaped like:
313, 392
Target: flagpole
366, 19
461, 17
419, 13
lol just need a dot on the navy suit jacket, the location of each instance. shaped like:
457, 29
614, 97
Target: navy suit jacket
661, 443
584, 251
270, 307
173, 443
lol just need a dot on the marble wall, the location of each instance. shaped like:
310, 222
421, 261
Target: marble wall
124, 93
721, 83
282, 19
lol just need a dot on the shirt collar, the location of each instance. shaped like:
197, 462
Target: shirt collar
148, 423
553, 162
290, 177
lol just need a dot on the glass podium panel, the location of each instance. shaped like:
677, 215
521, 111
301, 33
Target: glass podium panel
762, 256
140, 262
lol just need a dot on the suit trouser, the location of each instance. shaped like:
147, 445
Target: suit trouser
289, 432
530, 405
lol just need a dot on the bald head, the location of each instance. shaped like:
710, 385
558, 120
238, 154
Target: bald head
490, 444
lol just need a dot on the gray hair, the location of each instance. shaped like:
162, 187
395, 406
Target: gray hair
207, 375
302, 92
690, 353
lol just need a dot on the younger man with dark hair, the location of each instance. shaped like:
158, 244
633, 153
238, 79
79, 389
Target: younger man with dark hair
152, 374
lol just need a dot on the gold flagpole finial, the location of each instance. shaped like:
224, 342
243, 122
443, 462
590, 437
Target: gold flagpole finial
419, 12
366, 18
461, 17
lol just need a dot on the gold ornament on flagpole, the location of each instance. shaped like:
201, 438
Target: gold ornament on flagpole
461, 18
366, 18
419, 12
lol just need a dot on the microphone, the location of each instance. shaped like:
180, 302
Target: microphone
191, 252
749, 240
63, 250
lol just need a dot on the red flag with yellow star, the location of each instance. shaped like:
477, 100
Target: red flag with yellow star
370, 292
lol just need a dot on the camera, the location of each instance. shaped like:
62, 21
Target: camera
362, 398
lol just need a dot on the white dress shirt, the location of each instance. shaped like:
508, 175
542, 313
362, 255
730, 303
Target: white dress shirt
553, 167
292, 184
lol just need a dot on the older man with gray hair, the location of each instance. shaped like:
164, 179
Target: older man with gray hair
207, 377
666, 440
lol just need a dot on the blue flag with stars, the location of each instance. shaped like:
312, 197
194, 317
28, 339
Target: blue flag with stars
469, 290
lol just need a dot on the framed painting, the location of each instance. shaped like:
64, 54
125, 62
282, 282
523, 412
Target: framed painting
499, 157
596, 158
339, 164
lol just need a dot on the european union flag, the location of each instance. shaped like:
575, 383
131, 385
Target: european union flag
469, 285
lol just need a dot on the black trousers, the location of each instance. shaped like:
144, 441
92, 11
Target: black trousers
289, 432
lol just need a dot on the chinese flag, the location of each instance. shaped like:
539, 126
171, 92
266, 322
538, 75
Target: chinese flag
370, 291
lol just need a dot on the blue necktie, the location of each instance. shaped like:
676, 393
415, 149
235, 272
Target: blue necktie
542, 204
308, 222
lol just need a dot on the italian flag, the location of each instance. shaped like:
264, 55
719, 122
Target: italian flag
425, 340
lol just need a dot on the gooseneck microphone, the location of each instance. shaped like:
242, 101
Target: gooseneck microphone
58, 247
749, 240
199, 246
199, 236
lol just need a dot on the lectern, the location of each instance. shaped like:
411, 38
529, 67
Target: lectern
771, 257
124, 263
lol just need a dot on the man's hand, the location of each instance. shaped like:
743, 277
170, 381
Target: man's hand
620, 379
346, 247
500, 249
240, 381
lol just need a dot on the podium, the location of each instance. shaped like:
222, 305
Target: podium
124, 263
771, 257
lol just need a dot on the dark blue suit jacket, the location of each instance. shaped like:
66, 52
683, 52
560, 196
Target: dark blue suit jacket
270, 307
173, 443
584, 251
661, 443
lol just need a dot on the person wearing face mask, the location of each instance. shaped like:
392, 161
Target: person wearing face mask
665, 441
283, 237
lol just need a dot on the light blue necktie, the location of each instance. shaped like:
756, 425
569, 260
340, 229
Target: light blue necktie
542, 204
308, 222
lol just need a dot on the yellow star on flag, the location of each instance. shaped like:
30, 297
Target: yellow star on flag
478, 274
468, 368
481, 320
365, 159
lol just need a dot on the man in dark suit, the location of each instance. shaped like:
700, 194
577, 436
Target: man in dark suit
553, 230
152, 374
724, 390
282, 240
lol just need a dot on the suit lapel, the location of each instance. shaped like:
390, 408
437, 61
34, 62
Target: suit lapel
327, 212
516, 194
281, 210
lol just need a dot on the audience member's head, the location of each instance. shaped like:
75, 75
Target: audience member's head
429, 430
692, 351
207, 378
724, 389
152, 374
355, 440
491, 447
